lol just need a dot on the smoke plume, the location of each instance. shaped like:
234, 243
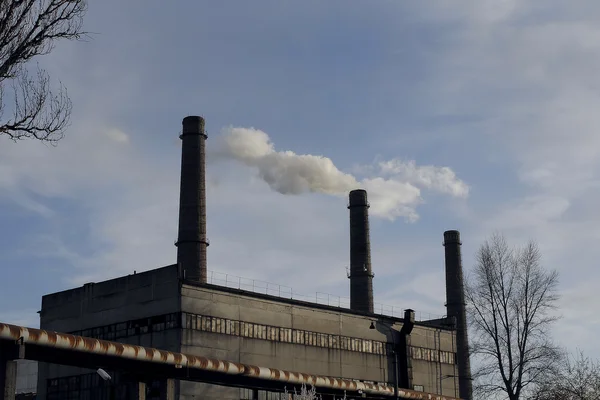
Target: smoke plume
394, 191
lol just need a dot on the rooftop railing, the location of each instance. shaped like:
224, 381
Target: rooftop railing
286, 292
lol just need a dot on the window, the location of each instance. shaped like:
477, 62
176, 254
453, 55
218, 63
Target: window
321, 340
344, 343
299, 336
246, 329
285, 335
377, 347
171, 321
121, 330
447, 357
334, 341
356, 344
206, 324
235, 328
273, 333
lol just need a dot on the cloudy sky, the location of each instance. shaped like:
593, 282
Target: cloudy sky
473, 115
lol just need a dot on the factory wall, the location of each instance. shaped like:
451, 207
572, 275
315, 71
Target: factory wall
286, 334
116, 310
156, 309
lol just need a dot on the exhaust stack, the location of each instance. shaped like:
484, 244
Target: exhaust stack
192, 241
456, 310
361, 274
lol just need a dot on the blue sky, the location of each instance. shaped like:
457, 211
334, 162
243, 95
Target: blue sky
503, 93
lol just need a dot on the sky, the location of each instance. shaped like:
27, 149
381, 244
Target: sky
478, 115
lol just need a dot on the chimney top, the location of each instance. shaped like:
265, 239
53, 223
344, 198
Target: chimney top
451, 237
358, 198
193, 125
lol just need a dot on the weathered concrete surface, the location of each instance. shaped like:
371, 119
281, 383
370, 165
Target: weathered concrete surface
112, 301
210, 301
130, 297
27, 375
8, 378
158, 292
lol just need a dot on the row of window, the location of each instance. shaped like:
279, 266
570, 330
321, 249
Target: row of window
247, 394
277, 334
134, 327
298, 336
92, 387
420, 353
256, 331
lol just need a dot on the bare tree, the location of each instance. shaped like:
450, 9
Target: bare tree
30, 28
578, 378
510, 303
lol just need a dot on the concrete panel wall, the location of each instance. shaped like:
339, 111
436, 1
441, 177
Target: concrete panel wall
160, 292
131, 297
213, 302
27, 374
287, 356
134, 296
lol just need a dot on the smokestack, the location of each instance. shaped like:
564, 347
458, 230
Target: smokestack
192, 242
361, 275
456, 309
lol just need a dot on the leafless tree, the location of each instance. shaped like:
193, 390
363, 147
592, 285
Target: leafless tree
29, 28
578, 378
510, 303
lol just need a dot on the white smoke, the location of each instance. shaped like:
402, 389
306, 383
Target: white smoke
395, 193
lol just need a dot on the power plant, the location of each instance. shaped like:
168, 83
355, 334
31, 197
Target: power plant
218, 342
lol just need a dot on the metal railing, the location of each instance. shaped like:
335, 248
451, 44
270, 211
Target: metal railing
286, 292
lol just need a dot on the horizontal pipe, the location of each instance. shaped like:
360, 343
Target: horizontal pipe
178, 360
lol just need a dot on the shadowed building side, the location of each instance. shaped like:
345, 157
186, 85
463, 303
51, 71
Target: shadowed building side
456, 309
361, 274
192, 242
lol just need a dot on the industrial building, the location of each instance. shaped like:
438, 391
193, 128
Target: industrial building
176, 309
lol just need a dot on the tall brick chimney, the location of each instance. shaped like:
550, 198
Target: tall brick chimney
456, 310
192, 241
361, 275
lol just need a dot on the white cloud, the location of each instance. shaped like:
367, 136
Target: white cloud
442, 179
289, 173
117, 135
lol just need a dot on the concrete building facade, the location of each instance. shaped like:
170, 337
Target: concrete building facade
160, 309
